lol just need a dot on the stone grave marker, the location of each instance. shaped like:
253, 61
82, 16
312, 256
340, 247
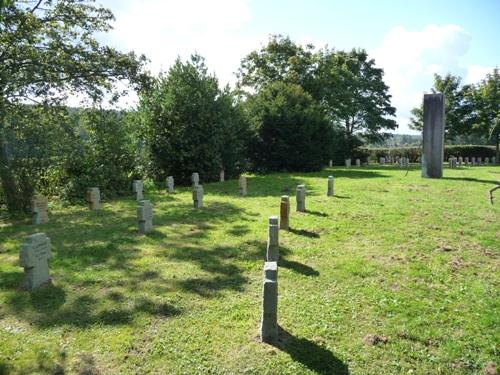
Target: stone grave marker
466, 160
243, 185
195, 179
34, 255
348, 163
479, 160
358, 163
330, 164
221, 176
39, 208
269, 321
198, 196
137, 188
493, 160
486, 160
329, 190
145, 216
93, 197
460, 160
382, 161
285, 212
473, 160
301, 198
272, 254
170, 184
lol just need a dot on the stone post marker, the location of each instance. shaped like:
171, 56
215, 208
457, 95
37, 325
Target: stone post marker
170, 184
330, 164
137, 188
243, 185
221, 176
195, 179
93, 197
460, 160
198, 196
301, 198
479, 160
145, 216
39, 208
348, 163
329, 191
473, 160
382, 161
285, 212
358, 163
433, 135
486, 160
34, 256
269, 322
466, 160
272, 254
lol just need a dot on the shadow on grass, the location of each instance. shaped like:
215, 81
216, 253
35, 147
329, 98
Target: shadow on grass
471, 179
310, 354
316, 213
297, 267
303, 232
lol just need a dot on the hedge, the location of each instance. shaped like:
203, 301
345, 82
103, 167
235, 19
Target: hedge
414, 153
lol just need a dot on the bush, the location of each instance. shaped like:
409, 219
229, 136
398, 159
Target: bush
291, 132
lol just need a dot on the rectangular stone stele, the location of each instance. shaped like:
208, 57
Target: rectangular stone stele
137, 188
272, 253
301, 198
198, 196
34, 255
93, 197
330, 163
243, 185
195, 179
221, 176
329, 191
285, 212
347, 163
358, 163
433, 136
170, 184
39, 208
145, 216
269, 321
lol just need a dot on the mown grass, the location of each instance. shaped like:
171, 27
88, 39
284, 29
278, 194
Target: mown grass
395, 255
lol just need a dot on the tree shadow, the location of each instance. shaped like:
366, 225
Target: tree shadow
341, 197
310, 354
316, 213
303, 232
471, 179
297, 267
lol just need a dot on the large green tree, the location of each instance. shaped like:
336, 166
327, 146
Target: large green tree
191, 125
48, 50
458, 106
486, 103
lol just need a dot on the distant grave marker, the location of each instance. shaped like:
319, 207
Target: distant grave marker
93, 197
301, 198
145, 216
39, 208
34, 255
198, 196
285, 212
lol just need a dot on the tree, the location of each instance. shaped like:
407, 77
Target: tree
191, 125
486, 102
291, 130
354, 94
48, 50
280, 60
458, 108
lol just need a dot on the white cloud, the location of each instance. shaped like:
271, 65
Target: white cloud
476, 73
410, 59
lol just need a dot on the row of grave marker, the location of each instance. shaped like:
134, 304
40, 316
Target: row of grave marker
404, 161
35, 250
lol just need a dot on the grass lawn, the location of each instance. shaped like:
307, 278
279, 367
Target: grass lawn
415, 260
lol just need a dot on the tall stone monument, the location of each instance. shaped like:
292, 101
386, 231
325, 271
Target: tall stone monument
272, 253
433, 136
34, 256
145, 216
301, 198
269, 321
137, 188
39, 208
285, 212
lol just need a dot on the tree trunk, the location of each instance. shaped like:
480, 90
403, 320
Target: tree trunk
497, 158
9, 185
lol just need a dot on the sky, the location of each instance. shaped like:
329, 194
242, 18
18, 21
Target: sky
410, 40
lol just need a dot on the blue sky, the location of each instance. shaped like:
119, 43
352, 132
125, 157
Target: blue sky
410, 40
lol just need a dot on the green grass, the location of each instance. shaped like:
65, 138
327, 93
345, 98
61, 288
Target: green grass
412, 259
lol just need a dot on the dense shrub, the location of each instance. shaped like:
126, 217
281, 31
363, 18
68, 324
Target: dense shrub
414, 153
191, 125
291, 131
